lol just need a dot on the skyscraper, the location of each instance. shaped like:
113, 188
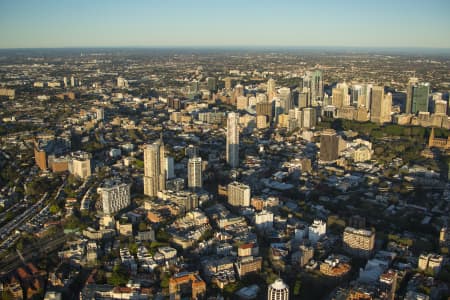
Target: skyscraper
329, 145
340, 95
316, 86
228, 83
355, 94
211, 82
195, 173
309, 117
337, 97
409, 93
286, 100
303, 98
278, 290
380, 109
365, 99
386, 109
264, 109
271, 89
420, 95
154, 170
169, 167
233, 139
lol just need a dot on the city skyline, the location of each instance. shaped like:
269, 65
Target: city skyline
64, 24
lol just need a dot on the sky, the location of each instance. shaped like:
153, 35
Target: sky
226, 23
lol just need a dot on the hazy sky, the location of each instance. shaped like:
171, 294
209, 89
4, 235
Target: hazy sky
97, 23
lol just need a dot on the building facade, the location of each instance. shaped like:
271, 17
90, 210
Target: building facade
358, 242
115, 196
278, 290
232, 154
154, 170
195, 173
329, 145
239, 194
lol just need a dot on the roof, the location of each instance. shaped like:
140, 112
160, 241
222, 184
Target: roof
279, 285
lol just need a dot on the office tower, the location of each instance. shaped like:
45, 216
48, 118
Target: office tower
364, 100
264, 109
329, 145
303, 98
261, 98
278, 110
386, 109
358, 242
191, 151
377, 101
242, 102
295, 119
316, 83
344, 88
440, 107
233, 139
337, 99
413, 81
271, 89
194, 87
169, 167
238, 194
239, 90
65, 81
420, 95
286, 101
228, 83
309, 119
115, 196
154, 173
211, 82
355, 93
380, 110
195, 173
278, 290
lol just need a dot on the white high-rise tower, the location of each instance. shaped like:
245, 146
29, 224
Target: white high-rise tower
233, 139
278, 290
154, 170
195, 173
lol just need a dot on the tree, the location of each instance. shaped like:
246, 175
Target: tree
54, 209
6, 295
119, 277
297, 286
133, 247
142, 226
164, 277
162, 235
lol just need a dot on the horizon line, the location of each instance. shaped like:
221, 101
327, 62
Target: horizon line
315, 47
